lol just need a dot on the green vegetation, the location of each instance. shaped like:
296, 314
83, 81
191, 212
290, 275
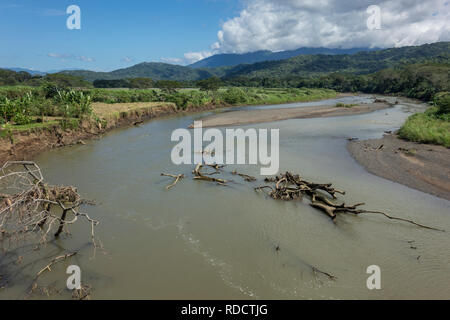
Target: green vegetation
11, 78
420, 81
168, 86
417, 72
152, 70
442, 101
134, 83
344, 105
433, 126
305, 66
23, 108
211, 84
26, 108
193, 98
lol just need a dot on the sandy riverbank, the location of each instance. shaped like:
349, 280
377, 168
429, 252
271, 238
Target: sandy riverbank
242, 117
420, 166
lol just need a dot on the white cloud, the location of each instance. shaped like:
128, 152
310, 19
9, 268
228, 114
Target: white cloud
65, 57
289, 24
172, 60
192, 57
128, 59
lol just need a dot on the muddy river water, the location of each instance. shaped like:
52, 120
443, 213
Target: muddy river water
204, 241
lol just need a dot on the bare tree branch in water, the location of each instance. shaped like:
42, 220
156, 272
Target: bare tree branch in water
199, 175
176, 177
34, 212
291, 187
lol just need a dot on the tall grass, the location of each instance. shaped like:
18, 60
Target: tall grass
428, 127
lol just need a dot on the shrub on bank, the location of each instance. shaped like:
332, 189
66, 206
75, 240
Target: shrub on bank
234, 96
442, 101
428, 127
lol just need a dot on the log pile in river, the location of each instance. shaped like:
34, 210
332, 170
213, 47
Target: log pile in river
292, 187
289, 187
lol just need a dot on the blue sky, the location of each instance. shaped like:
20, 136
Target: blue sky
113, 33
117, 34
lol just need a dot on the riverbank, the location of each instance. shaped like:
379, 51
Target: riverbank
419, 166
67, 119
26, 144
242, 117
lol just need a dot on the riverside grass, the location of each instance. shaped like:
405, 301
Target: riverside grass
427, 127
192, 98
21, 106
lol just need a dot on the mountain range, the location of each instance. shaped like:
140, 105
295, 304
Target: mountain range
303, 65
30, 71
37, 72
228, 60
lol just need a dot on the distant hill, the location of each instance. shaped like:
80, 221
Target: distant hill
362, 62
32, 72
153, 70
358, 63
226, 60
38, 73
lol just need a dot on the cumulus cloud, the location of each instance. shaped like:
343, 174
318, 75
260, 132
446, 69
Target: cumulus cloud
289, 24
172, 60
192, 57
65, 57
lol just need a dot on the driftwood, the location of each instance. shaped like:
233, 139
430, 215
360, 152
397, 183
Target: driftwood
54, 261
176, 177
84, 293
290, 187
198, 175
316, 271
33, 204
245, 176
32, 213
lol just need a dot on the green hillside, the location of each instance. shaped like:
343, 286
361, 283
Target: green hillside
302, 65
153, 70
359, 63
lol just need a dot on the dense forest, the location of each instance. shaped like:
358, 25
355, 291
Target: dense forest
421, 81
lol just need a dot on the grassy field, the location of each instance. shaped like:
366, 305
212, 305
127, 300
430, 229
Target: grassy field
427, 128
432, 126
191, 98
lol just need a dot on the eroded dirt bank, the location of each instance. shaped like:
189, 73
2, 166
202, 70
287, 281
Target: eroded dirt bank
420, 166
25, 145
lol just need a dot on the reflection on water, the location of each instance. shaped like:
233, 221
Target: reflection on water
201, 240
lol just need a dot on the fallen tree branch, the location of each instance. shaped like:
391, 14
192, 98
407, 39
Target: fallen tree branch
330, 276
400, 219
176, 177
245, 176
54, 261
290, 187
31, 211
198, 175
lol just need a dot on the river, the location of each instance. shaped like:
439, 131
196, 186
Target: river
205, 241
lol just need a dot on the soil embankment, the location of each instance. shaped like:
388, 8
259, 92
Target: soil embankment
419, 166
24, 145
